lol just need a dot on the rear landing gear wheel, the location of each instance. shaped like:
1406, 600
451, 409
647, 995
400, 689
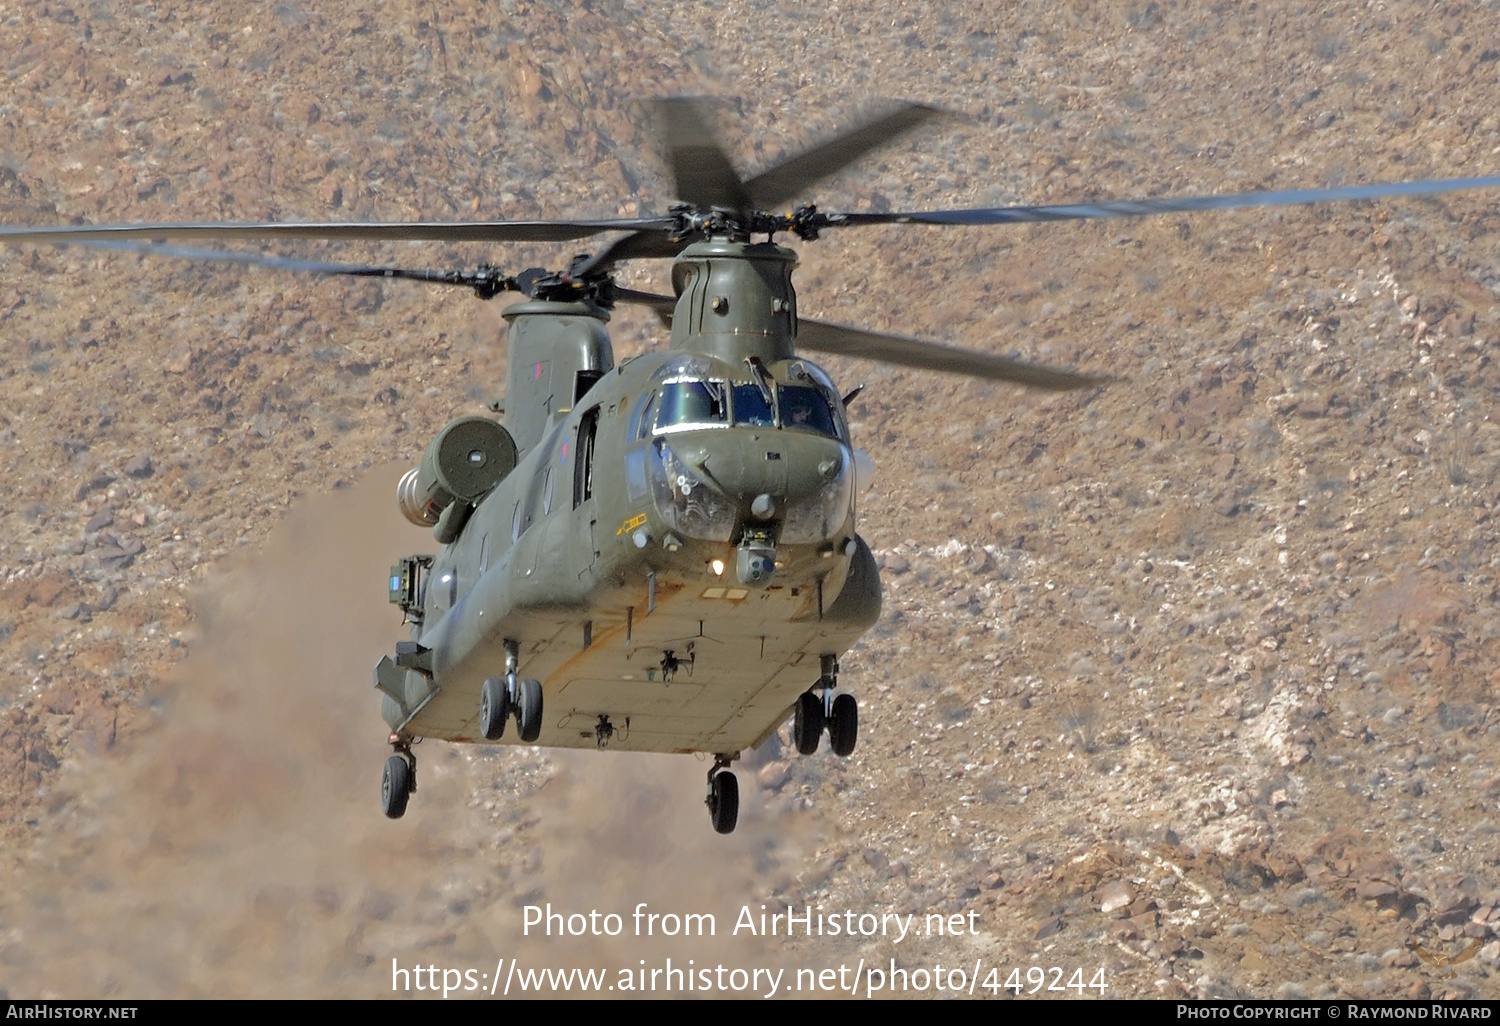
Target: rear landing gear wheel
843, 725
395, 787
529, 710
807, 723
723, 801
494, 708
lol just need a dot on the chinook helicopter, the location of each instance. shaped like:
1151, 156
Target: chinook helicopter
658, 555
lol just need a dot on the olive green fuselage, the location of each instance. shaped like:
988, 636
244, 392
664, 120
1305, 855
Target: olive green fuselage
610, 557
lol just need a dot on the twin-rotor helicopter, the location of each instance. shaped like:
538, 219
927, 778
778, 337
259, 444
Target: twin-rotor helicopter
659, 554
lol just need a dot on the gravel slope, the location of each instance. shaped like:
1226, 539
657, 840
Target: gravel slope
1191, 680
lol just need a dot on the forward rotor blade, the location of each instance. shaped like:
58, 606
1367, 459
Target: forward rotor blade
770, 189
1168, 204
701, 170
637, 246
911, 352
395, 231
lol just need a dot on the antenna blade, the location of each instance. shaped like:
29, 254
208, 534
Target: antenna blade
771, 188
910, 352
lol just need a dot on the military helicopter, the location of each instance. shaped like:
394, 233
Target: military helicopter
657, 555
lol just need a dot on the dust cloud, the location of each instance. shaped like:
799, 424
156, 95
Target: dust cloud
237, 848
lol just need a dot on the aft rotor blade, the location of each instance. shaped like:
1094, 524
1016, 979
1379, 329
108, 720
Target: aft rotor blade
701, 170
227, 256
1169, 204
663, 306
393, 231
910, 352
486, 281
770, 189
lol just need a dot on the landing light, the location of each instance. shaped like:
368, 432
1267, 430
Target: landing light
718, 567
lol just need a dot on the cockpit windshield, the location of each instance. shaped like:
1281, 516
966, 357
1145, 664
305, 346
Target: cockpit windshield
804, 408
684, 404
751, 407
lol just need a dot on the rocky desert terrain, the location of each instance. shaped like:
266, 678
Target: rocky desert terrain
1187, 684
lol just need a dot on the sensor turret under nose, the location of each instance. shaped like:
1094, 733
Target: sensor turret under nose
755, 561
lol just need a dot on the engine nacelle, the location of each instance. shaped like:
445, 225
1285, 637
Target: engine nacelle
468, 458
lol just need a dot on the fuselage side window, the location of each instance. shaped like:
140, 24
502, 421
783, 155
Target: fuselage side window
635, 475
448, 580
583, 463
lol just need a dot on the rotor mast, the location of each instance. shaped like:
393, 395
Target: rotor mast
735, 300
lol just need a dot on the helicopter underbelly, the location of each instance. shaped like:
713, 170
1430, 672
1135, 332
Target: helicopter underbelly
739, 671
738, 660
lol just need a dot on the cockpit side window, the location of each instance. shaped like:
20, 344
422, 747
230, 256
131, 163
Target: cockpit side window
751, 408
684, 404
640, 421
804, 408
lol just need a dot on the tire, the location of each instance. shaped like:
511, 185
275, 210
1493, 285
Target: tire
529, 710
807, 723
494, 708
395, 787
724, 802
843, 726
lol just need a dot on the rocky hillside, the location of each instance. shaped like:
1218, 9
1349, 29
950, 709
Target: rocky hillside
1189, 680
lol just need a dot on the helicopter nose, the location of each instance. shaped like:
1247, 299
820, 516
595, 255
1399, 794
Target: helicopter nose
762, 490
800, 479
765, 474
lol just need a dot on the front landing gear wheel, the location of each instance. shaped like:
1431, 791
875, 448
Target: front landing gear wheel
843, 725
723, 801
807, 723
494, 708
395, 787
529, 710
